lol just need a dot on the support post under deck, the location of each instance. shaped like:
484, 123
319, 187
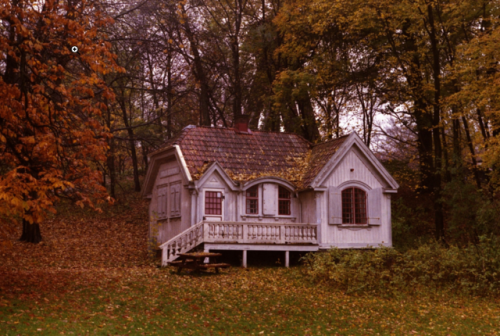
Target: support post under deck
244, 260
287, 258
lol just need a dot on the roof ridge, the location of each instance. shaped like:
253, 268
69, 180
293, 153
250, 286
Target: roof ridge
331, 140
255, 131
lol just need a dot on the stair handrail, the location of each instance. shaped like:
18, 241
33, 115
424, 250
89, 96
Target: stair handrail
182, 243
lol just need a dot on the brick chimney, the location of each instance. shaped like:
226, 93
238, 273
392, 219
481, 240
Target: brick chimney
241, 124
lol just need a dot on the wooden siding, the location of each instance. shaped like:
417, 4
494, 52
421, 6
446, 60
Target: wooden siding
269, 199
362, 172
308, 205
235, 203
215, 182
366, 177
312, 207
162, 229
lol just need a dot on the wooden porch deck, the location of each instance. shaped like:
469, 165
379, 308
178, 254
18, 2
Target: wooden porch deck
242, 236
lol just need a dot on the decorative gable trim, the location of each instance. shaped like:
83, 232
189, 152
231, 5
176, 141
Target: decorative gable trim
269, 179
180, 159
155, 162
353, 140
208, 174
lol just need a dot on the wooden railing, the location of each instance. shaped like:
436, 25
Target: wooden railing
259, 233
182, 243
239, 233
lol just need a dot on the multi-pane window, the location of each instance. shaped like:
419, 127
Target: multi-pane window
213, 203
353, 206
284, 200
252, 200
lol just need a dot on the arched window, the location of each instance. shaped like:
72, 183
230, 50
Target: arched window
353, 206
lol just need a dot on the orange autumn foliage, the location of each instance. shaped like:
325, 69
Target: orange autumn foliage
50, 103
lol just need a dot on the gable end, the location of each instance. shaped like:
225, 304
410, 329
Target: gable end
366, 157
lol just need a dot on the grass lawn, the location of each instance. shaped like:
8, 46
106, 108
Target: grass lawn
92, 276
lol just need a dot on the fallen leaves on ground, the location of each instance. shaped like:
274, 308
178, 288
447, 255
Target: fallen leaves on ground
92, 276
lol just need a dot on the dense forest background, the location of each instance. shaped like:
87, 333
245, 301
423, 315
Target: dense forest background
418, 80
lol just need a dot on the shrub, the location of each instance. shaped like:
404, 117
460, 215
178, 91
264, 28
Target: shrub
473, 270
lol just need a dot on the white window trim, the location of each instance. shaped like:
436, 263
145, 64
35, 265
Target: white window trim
223, 191
260, 214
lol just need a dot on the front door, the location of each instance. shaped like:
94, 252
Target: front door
214, 205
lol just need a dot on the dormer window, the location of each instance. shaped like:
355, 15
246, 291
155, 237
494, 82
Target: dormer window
354, 206
284, 200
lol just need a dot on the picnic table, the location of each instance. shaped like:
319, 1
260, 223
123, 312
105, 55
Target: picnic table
195, 261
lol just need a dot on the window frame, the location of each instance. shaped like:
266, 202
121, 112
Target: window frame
205, 198
355, 211
288, 200
252, 198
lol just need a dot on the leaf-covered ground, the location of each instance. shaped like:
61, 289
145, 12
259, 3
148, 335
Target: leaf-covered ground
92, 275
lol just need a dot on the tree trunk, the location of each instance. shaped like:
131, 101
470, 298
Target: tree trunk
199, 73
137, 184
235, 50
424, 146
310, 127
436, 67
145, 156
111, 168
31, 233
169, 95
472, 153
130, 131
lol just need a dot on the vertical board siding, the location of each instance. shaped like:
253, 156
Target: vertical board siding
362, 173
270, 196
362, 236
375, 206
217, 183
169, 174
308, 205
342, 173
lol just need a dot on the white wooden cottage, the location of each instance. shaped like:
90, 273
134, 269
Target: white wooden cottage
236, 189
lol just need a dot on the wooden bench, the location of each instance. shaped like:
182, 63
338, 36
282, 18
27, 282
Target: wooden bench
194, 261
216, 266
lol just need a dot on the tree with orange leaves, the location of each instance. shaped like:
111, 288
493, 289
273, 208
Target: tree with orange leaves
52, 55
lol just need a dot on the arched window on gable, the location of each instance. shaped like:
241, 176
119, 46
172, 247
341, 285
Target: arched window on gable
354, 206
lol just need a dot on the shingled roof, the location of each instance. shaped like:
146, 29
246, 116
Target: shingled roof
246, 156
320, 154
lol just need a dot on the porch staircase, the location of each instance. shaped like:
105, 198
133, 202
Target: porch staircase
238, 233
